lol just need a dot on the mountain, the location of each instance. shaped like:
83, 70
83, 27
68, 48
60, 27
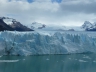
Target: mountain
15, 25
88, 26
4, 26
11, 24
18, 26
52, 27
36, 25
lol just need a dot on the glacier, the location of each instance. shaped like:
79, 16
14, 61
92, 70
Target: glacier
47, 42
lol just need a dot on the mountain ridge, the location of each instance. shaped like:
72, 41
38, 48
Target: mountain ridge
87, 26
11, 24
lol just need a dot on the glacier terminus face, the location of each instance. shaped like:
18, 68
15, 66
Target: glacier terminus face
47, 42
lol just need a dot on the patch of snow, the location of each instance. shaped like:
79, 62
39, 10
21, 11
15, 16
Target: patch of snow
8, 21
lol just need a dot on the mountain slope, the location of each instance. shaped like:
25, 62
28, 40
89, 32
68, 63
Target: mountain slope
16, 25
4, 26
19, 27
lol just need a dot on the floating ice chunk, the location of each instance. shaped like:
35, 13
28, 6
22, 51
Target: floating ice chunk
75, 59
94, 61
9, 60
0, 56
87, 57
70, 58
47, 59
82, 61
23, 59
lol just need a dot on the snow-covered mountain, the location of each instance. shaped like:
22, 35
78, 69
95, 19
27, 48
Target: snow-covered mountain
52, 27
88, 26
4, 26
16, 25
36, 25
7, 20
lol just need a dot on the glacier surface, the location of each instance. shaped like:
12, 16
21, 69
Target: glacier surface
47, 42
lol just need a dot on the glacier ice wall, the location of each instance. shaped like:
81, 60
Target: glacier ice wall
37, 43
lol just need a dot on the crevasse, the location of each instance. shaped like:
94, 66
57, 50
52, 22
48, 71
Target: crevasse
38, 43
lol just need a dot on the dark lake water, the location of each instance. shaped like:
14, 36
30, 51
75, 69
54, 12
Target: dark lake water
49, 63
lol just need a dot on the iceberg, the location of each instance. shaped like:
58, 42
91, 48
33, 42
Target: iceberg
46, 42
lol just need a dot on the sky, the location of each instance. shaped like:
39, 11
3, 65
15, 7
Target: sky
50, 12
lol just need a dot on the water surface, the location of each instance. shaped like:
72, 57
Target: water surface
49, 63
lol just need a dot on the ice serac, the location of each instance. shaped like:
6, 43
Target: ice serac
38, 43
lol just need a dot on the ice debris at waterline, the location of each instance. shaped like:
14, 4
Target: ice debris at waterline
9, 60
37, 43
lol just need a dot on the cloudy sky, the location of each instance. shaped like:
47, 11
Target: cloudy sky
57, 12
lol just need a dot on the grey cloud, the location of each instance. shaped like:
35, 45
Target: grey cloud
69, 12
81, 7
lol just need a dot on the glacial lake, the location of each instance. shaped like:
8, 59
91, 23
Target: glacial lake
49, 63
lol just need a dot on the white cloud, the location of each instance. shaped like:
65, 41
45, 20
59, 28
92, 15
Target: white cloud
45, 12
